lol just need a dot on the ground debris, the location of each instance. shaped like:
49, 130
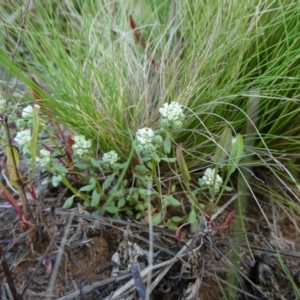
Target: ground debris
180, 270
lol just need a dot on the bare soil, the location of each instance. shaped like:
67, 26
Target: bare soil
91, 243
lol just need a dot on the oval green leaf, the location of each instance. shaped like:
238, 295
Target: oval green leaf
112, 209
172, 201
59, 168
56, 180
121, 202
192, 216
156, 218
95, 198
107, 183
167, 144
69, 202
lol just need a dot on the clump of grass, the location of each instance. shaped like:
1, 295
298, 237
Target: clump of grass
109, 72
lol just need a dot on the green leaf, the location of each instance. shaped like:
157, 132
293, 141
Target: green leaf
129, 212
223, 146
171, 225
191, 200
121, 202
169, 159
236, 154
56, 180
89, 187
172, 201
138, 216
95, 163
156, 218
116, 216
112, 209
149, 165
155, 157
147, 192
192, 216
141, 169
139, 206
177, 219
196, 191
83, 165
116, 194
34, 137
121, 166
182, 164
135, 196
107, 183
228, 189
173, 188
69, 202
59, 168
95, 198
167, 144
93, 181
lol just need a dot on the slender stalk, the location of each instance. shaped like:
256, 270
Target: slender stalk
8, 276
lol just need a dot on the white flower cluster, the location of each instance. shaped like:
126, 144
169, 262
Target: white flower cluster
145, 136
44, 157
81, 146
27, 112
147, 141
109, 159
172, 115
207, 180
233, 141
23, 138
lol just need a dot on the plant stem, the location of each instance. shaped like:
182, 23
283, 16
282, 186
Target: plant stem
154, 165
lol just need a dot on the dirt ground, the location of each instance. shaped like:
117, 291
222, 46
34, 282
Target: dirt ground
84, 246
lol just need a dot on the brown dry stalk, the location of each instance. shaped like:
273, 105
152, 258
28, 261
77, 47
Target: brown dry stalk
8, 276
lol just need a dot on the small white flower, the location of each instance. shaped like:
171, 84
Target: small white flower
173, 112
23, 137
81, 145
207, 180
44, 152
145, 136
44, 158
110, 158
79, 152
81, 142
27, 112
233, 141
148, 142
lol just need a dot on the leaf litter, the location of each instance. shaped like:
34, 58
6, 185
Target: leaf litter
191, 269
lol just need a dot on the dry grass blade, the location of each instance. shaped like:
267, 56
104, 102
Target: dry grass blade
58, 258
163, 267
138, 282
90, 288
51, 243
8, 276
